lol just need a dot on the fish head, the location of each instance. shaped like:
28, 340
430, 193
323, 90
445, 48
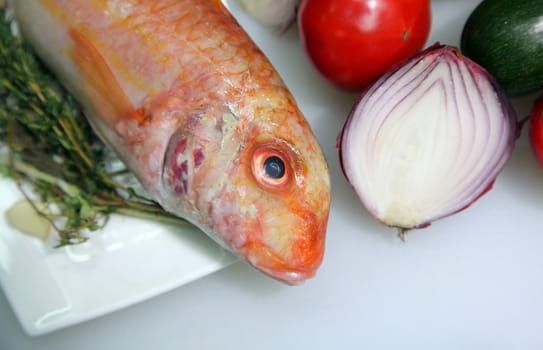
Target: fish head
260, 186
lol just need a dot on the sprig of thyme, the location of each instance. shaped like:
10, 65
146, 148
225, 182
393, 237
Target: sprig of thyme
53, 150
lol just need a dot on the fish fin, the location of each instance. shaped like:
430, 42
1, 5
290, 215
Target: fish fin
108, 97
221, 6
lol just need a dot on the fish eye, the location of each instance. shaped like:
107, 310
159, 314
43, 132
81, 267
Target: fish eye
270, 167
274, 167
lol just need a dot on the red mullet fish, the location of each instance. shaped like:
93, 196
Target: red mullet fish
199, 115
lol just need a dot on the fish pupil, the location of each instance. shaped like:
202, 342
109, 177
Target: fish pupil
274, 167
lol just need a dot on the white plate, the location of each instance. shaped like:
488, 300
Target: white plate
129, 261
134, 260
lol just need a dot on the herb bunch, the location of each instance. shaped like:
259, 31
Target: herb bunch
53, 153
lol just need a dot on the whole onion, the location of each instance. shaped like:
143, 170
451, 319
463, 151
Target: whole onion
427, 139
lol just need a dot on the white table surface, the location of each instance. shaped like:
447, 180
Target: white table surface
472, 281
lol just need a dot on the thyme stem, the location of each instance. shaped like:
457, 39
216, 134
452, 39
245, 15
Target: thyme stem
53, 150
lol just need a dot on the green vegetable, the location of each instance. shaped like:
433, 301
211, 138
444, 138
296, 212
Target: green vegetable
52, 148
506, 37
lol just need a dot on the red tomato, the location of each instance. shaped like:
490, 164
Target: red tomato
536, 130
353, 42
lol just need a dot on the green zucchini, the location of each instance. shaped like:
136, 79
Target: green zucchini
506, 37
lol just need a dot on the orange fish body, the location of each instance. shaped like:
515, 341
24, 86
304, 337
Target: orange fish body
200, 116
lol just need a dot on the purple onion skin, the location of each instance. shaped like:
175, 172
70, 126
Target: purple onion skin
432, 53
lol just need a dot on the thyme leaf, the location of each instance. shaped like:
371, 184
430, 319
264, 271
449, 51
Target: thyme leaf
51, 151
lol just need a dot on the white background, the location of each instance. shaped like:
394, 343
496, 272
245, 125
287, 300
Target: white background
472, 281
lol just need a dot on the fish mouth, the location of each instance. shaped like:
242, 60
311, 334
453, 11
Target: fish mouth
292, 277
299, 267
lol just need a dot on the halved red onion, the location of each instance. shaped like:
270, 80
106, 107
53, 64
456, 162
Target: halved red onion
427, 139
